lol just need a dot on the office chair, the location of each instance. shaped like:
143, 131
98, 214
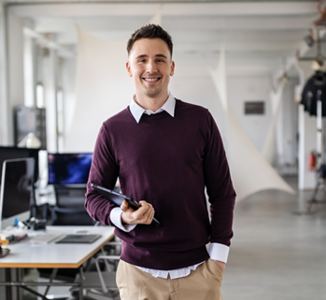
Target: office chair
68, 210
69, 207
101, 283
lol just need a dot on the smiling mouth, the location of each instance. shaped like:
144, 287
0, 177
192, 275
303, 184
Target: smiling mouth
151, 79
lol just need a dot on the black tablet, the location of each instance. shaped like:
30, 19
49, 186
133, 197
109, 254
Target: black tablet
118, 198
79, 239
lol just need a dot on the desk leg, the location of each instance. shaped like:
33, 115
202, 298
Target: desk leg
8, 288
33, 292
19, 278
53, 275
81, 276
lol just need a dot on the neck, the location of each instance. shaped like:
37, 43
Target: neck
149, 103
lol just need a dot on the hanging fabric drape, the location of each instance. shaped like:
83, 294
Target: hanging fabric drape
250, 171
103, 87
269, 149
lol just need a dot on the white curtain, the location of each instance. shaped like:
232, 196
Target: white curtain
250, 171
269, 146
103, 87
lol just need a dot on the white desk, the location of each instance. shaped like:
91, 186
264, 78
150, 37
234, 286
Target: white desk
51, 255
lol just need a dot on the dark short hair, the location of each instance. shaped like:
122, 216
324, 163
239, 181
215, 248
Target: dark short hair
150, 31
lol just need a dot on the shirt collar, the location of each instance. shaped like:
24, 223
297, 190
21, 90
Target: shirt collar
137, 111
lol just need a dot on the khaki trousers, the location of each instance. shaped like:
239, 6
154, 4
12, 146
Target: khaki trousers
202, 284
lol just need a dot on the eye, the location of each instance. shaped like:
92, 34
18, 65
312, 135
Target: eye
141, 60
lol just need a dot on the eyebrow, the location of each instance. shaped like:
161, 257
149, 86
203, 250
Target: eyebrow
145, 55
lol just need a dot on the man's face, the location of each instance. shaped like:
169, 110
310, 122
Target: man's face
151, 66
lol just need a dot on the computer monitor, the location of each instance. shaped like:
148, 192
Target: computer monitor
69, 168
16, 193
15, 152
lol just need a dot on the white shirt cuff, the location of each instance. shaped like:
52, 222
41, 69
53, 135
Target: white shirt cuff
115, 217
219, 252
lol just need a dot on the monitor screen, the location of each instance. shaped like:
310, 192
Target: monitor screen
16, 190
15, 152
69, 168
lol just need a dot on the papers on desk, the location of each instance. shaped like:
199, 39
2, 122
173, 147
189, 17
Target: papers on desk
44, 239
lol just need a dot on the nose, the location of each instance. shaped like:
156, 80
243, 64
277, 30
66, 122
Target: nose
151, 66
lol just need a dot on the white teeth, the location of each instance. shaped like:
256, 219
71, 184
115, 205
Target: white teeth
151, 79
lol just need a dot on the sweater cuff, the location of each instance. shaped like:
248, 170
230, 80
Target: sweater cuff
219, 252
115, 217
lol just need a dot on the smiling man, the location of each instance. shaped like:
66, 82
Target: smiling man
166, 152
150, 64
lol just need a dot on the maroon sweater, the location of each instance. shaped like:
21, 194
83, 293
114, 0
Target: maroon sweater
166, 161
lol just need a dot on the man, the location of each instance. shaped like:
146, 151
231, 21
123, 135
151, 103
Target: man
164, 151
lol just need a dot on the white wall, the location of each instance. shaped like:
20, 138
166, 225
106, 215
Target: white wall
256, 88
251, 88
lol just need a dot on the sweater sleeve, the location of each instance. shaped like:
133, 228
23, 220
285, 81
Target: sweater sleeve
221, 194
104, 172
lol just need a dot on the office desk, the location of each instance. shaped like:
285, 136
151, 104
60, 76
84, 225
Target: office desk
26, 255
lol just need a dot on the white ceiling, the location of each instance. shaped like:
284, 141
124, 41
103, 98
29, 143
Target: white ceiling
257, 36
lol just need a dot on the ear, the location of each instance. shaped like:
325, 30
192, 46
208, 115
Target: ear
172, 68
128, 69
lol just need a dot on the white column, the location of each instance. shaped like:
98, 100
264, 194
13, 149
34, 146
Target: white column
49, 84
280, 134
301, 152
6, 133
69, 97
307, 143
29, 81
307, 138
16, 60
11, 72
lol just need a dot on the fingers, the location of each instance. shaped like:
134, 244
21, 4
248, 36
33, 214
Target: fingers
143, 215
124, 206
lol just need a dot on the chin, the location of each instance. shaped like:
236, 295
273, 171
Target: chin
152, 94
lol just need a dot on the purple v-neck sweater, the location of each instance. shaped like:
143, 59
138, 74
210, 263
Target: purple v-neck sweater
166, 161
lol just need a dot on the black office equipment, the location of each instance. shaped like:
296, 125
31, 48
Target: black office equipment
79, 239
69, 168
15, 152
16, 195
68, 172
118, 198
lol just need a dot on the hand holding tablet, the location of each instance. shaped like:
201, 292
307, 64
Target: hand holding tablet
118, 198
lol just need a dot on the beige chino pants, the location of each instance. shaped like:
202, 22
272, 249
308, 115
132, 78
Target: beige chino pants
202, 284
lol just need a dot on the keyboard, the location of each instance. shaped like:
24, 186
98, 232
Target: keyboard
44, 239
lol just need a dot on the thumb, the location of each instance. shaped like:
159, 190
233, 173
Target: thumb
124, 205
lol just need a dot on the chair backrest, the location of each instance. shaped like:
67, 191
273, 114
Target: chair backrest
69, 208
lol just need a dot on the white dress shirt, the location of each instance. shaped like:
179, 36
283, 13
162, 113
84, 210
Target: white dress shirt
216, 251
